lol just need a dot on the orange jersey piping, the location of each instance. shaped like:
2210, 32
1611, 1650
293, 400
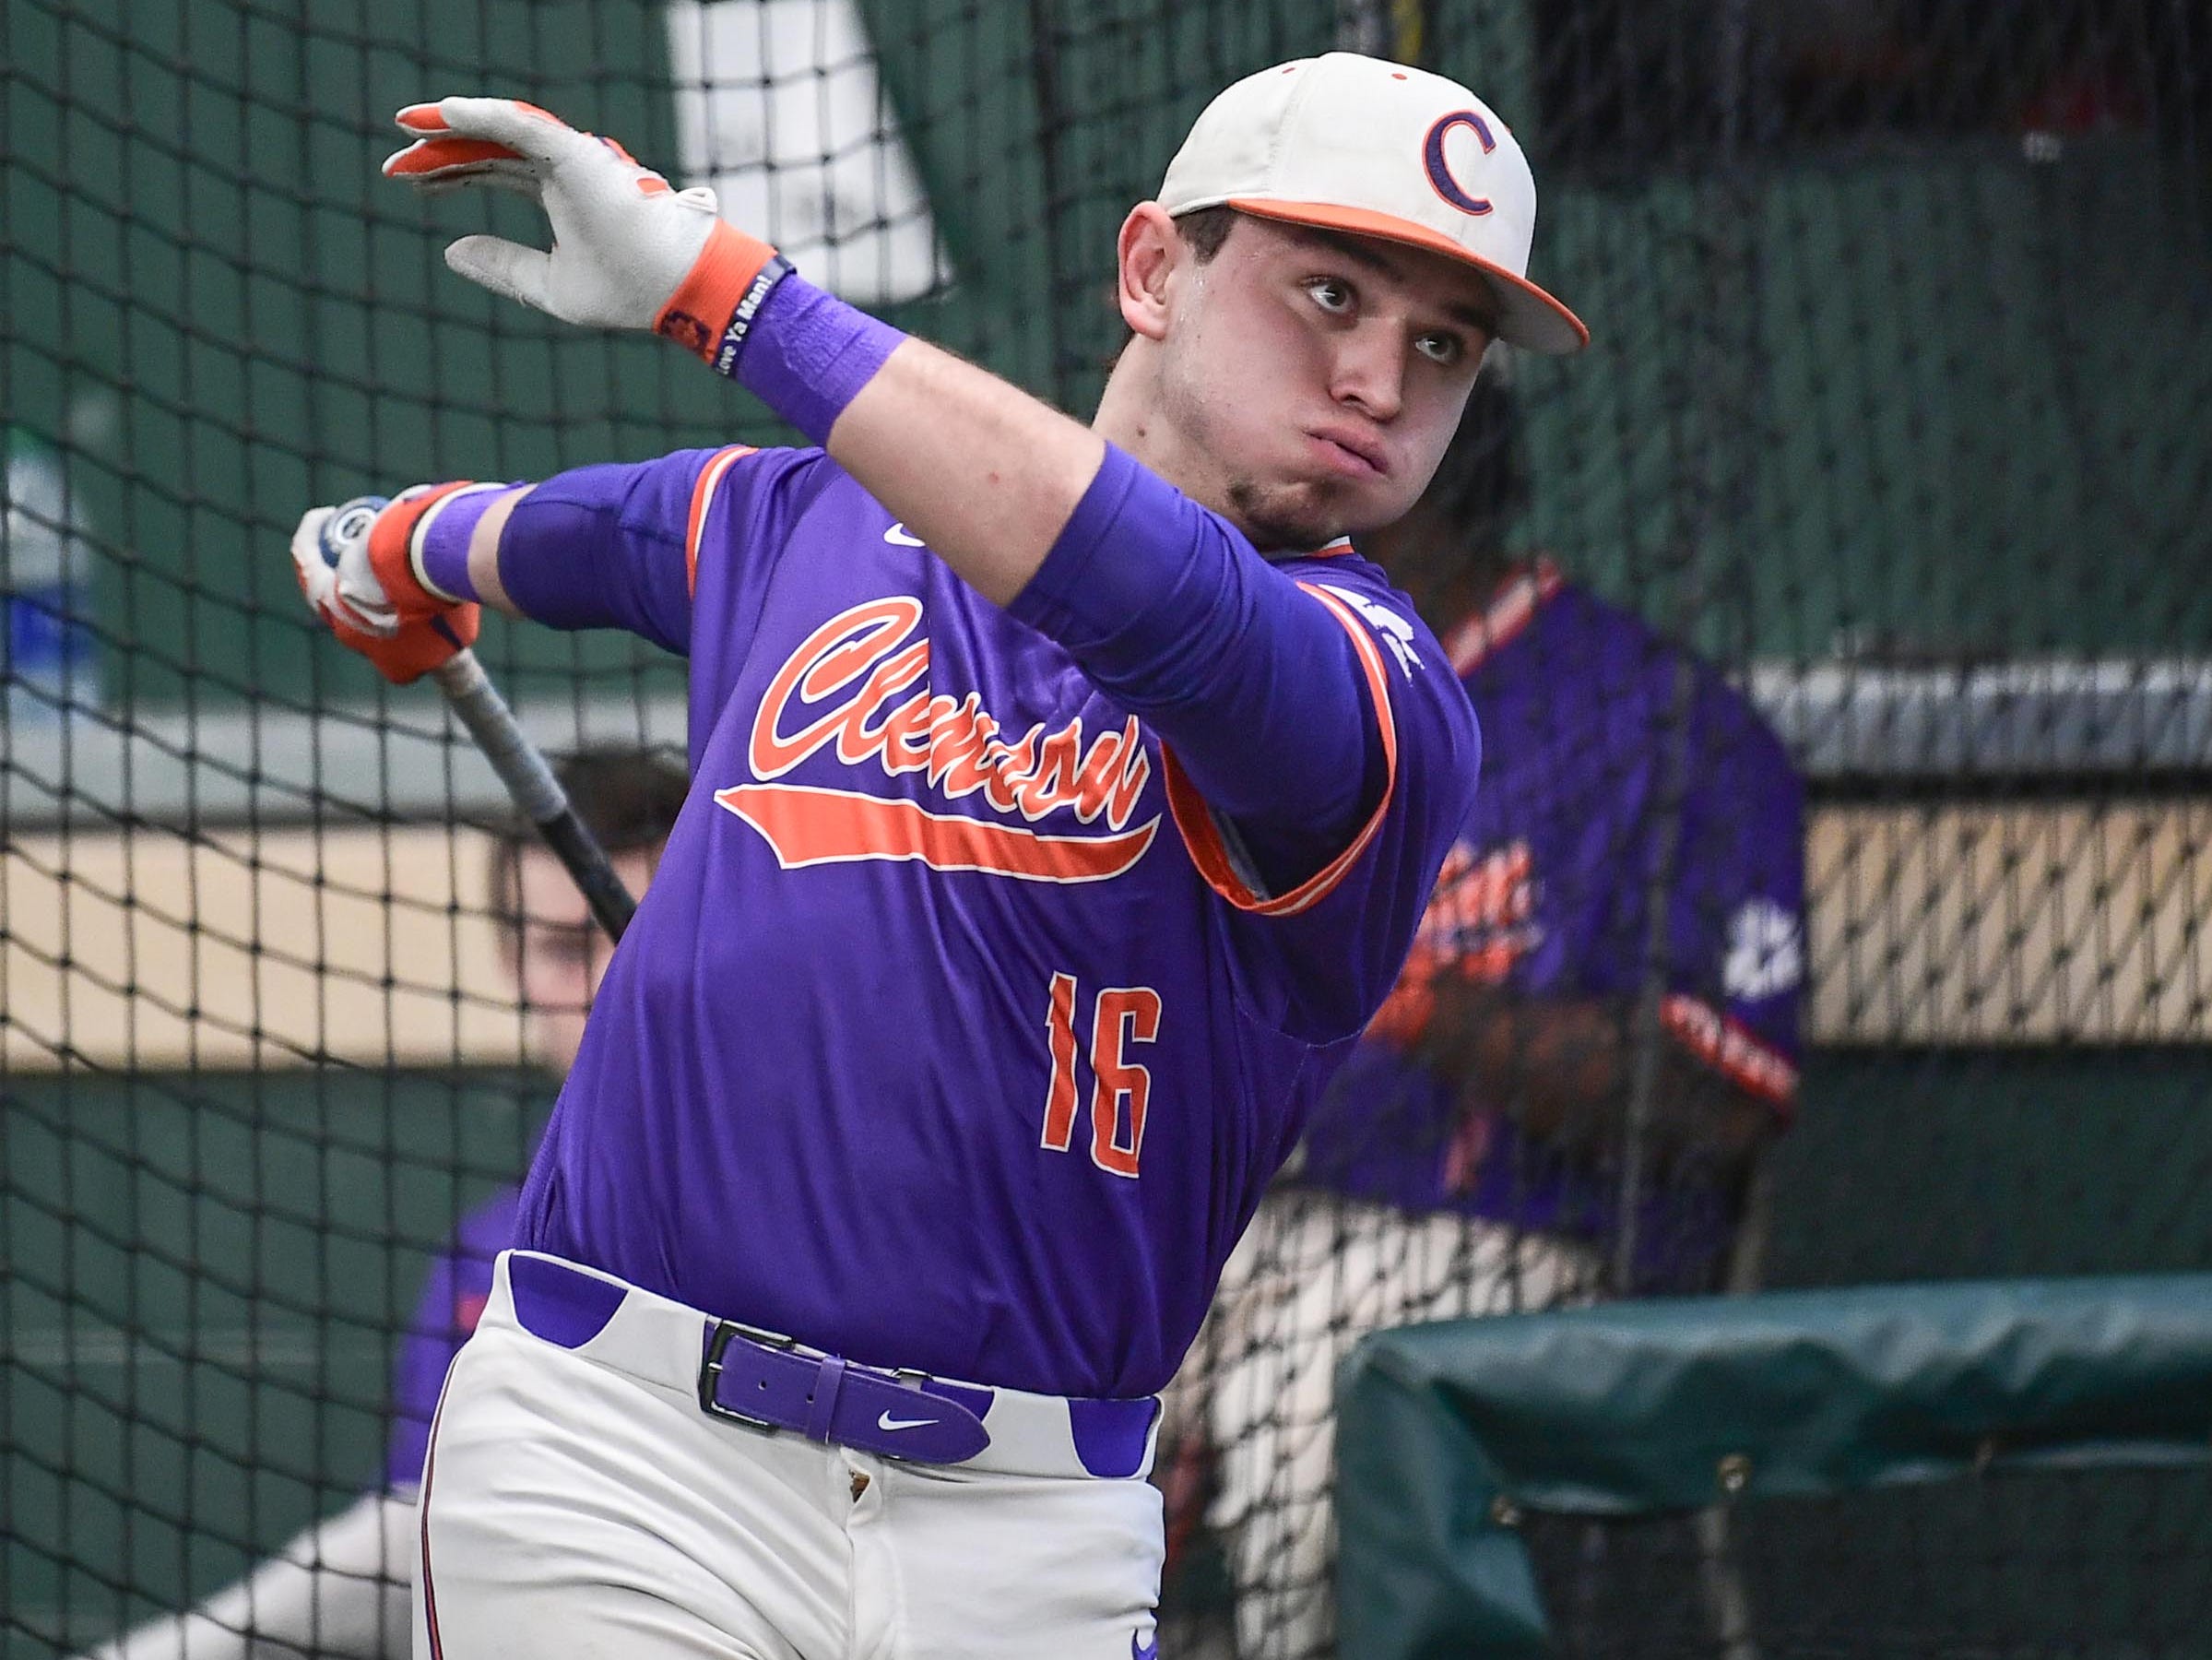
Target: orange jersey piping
1202, 837
702, 495
1731, 1049
1518, 600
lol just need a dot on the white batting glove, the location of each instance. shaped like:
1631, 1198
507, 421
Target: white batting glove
629, 252
330, 556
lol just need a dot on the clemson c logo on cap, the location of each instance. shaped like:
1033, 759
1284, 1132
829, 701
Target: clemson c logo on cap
1439, 171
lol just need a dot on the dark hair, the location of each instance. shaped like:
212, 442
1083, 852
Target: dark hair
627, 797
1206, 228
1482, 485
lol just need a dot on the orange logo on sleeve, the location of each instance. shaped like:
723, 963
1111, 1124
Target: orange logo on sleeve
1480, 921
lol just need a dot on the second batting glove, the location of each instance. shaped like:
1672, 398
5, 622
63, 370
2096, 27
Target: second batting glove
351, 562
629, 251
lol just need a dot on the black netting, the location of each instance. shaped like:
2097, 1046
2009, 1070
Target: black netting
1896, 410
2112, 1564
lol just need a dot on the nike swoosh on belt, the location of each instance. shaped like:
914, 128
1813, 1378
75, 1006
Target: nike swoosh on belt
888, 1422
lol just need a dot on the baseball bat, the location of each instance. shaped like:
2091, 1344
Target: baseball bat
528, 776
530, 781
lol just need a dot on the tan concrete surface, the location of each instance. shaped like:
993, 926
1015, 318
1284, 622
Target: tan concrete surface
1936, 923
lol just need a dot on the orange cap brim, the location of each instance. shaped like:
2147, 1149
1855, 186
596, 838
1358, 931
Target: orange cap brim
1527, 316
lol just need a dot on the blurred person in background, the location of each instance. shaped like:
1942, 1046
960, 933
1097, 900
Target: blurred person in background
1469, 1158
341, 1588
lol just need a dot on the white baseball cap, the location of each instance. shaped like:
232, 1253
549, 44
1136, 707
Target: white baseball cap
1377, 148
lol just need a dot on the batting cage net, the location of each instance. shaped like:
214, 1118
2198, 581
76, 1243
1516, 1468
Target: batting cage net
1838, 623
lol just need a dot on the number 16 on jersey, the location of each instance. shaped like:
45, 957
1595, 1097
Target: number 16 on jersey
1120, 1017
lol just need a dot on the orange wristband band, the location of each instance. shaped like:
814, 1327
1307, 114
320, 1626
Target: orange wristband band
392, 552
708, 313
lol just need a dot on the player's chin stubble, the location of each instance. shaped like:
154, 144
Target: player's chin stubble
1284, 516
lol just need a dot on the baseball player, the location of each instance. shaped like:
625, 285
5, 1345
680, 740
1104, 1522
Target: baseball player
1065, 799
1467, 1160
340, 1589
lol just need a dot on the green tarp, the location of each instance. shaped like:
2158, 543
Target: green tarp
1447, 1432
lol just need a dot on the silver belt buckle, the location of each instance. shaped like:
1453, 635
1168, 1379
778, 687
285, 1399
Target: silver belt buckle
710, 1370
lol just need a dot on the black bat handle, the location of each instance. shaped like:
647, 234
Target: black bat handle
611, 902
529, 780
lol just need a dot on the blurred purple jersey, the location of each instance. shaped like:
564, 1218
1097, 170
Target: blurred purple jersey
453, 1300
954, 1031
1548, 890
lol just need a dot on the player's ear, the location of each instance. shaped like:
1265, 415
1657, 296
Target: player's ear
1150, 250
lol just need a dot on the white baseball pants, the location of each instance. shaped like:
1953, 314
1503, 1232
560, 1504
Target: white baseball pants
579, 1503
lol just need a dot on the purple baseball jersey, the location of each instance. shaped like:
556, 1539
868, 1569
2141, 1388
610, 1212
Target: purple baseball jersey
956, 1031
1547, 891
453, 1300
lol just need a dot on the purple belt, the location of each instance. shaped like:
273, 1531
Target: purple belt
769, 1382
765, 1379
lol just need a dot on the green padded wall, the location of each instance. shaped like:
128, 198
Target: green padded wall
1986, 1163
203, 1279
1969, 384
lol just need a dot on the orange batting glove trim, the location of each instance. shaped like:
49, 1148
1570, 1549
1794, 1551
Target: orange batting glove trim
419, 646
429, 155
392, 553
417, 649
697, 316
429, 118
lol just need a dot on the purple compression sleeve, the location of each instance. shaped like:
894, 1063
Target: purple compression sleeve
602, 547
809, 354
1254, 685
